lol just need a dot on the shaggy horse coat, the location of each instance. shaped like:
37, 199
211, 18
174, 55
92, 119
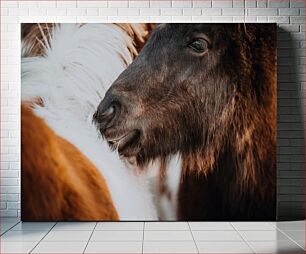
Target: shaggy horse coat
206, 92
68, 173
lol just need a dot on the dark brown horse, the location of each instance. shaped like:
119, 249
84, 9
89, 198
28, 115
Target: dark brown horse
207, 92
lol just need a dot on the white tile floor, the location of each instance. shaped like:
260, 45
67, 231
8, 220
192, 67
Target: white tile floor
152, 237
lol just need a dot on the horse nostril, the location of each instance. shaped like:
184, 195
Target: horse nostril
106, 115
108, 112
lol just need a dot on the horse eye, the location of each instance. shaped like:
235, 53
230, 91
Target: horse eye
199, 45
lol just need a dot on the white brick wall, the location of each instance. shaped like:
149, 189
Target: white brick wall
290, 14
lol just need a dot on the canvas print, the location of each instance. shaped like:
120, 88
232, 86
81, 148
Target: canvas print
148, 122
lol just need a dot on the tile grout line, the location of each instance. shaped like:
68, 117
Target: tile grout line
10, 228
42, 238
193, 237
90, 236
273, 225
247, 243
143, 231
290, 238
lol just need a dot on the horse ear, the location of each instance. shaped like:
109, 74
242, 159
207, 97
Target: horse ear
139, 33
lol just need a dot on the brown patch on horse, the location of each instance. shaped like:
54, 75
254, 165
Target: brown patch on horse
35, 37
58, 182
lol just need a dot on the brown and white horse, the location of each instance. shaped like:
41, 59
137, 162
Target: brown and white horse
68, 173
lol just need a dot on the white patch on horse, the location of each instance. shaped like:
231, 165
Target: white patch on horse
166, 188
